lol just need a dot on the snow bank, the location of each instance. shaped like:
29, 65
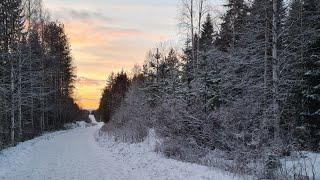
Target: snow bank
143, 158
78, 124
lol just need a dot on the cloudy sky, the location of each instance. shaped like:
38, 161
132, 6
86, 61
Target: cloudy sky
111, 35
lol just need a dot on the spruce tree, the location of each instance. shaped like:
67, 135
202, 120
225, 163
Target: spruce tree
208, 71
59, 61
311, 90
207, 34
113, 95
232, 24
292, 72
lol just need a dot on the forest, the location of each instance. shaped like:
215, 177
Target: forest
37, 74
241, 95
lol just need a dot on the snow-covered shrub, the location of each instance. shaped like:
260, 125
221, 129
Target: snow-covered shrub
132, 120
182, 134
181, 149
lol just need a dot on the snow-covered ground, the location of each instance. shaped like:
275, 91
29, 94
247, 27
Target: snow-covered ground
303, 163
76, 154
93, 119
142, 159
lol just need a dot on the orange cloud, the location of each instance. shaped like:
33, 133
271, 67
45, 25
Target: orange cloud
83, 81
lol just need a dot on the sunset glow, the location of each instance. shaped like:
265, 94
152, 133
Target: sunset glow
108, 36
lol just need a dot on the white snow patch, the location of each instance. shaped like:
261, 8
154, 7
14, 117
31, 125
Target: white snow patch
154, 166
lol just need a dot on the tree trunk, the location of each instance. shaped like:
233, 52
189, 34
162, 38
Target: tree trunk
20, 97
200, 14
30, 66
265, 123
275, 71
12, 126
192, 31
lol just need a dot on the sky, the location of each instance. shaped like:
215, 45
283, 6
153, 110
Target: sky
112, 35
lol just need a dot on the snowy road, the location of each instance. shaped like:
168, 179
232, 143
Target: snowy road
75, 154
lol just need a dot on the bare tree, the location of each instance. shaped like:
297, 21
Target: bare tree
188, 22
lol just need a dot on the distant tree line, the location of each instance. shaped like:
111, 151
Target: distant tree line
36, 72
113, 95
250, 90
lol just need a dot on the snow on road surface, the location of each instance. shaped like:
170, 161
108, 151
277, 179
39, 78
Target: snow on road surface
75, 154
93, 119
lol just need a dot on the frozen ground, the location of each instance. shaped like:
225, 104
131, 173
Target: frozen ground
81, 154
